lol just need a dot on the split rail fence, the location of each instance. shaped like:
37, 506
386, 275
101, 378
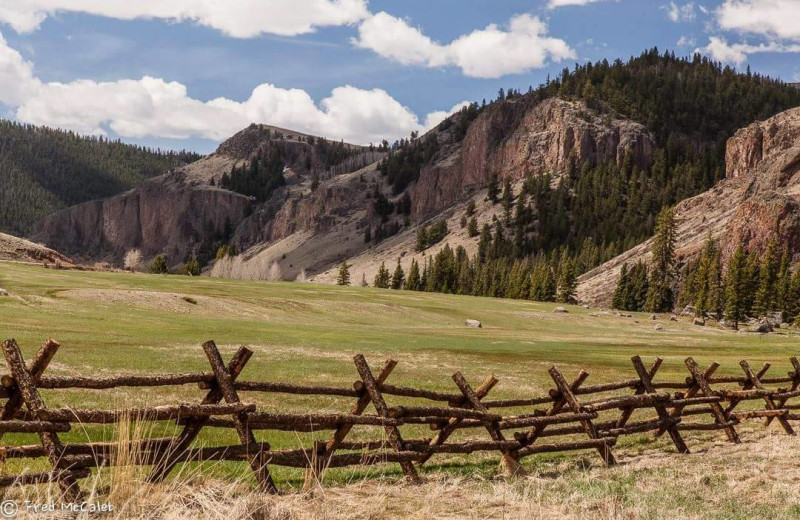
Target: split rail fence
565, 419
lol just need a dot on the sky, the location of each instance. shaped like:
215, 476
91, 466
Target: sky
187, 74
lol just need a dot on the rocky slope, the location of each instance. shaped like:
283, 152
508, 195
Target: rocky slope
13, 249
758, 200
512, 140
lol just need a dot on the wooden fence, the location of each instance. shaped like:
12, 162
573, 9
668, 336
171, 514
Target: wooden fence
562, 420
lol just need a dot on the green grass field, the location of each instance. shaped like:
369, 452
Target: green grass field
113, 323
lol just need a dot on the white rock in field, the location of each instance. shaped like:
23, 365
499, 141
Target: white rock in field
3, 292
561, 309
699, 321
475, 324
673, 318
785, 325
659, 327
585, 306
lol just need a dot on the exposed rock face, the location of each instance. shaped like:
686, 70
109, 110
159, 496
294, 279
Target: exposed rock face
759, 200
512, 140
20, 250
164, 215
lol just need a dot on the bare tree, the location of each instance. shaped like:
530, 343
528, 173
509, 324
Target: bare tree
133, 259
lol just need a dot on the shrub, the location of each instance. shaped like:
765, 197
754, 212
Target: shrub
159, 265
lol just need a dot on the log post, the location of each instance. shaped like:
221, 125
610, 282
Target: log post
678, 410
26, 387
510, 456
573, 403
392, 432
661, 410
258, 461
452, 424
315, 471
795, 384
192, 428
628, 412
716, 410
558, 404
754, 381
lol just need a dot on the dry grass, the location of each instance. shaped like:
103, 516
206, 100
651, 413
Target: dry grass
718, 481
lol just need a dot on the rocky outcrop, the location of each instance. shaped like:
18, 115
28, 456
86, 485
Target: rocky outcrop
164, 215
758, 200
517, 137
20, 250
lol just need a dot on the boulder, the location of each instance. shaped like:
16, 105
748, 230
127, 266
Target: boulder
774, 318
785, 325
561, 310
673, 318
699, 321
3, 292
688, 311
475, 324
585, 306
763, 327
659, 327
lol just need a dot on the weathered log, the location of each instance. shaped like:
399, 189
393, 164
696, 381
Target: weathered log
786, 394
705, 426
510, 403
716, 409
287, 388
33, 426
103, 449
770, 404
641, 426
743, 395
665, 420
403, 391
102, 383
303, 459
433, 411
465, 447
263, 418
757, 414
689, 401
629, 401
157, 413
376, 444
601, 444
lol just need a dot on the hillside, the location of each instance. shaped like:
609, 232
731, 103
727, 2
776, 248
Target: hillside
43, 170
533, 186
759, 200
18, 250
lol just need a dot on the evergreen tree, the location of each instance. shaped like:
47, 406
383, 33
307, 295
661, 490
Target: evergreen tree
413, 281
494, 188
708, 281
767, 293
736, 288
543, 285
344, 274
472, 227
159, 265
508, 201
567, 281
784, 285
364, 282
382, 277
660, 295
621, 292
398, 277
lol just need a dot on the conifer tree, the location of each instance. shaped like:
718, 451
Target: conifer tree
543, 285
508, 201
567, 281
364, 282
344, 274
621, 292
413, 281
382, 277
660, 295
766, 295
494, 188
472, 227
736, 287
398, 277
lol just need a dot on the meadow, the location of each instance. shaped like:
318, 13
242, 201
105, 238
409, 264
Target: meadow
125, 323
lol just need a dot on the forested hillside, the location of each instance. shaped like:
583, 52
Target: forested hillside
43, 170
553, 231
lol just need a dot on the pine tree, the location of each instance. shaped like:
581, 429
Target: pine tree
472, 227
508, 201
736, 287
766, 295
413, 281
398, 277
494, 188
660, 295
364, 282
621, 292
159, 265
567, 281
784, 285
344, 274
382, 277
543, 285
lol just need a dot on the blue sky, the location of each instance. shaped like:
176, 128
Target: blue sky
345, 68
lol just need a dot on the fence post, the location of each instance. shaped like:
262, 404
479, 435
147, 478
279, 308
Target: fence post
716, 410
661, 410
755, 381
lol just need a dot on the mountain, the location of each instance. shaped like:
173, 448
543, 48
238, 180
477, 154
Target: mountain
43, 170
759, 200
506, 198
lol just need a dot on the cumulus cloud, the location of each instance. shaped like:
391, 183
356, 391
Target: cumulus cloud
154, 107
485, 53
237, 18
737, 53
773, 18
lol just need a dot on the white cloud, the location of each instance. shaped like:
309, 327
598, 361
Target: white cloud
154, 107
683, 13
737, 53
686, 41
237, 18
553, 4
486, 53
774, 18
